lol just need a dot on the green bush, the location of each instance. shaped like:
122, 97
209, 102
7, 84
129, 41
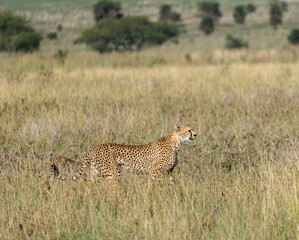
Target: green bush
52, 35
284, 6
207, 24
16, 34
250, 8
59, 28
175, 17
210, 8
26, 41
106, 9
13, 25
127, 34
239, 14
294, 36
235, 43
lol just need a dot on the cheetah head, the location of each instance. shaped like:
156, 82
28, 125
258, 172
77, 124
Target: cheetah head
185, 133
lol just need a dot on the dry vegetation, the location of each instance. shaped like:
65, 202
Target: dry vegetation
238, 180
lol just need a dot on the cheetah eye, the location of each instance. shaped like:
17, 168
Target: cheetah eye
189, 130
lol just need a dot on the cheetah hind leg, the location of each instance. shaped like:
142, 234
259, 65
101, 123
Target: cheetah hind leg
84, 164
95, 171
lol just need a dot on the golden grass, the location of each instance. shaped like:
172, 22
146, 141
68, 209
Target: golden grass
238, 180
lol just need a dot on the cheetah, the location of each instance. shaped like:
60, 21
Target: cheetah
155, 158
61, 167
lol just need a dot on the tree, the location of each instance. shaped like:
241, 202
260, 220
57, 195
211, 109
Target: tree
210, 8
250, 8
166, 14
127, 34
106, 9
293, 37
207, 24
235, 43
239, 14
16, 34
59, 27
275, 14
284, 6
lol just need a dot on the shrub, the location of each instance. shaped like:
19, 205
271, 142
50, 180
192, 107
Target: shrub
59, 28
106, 9
61, 55
207, 25
250, 8
294, 36
127, 34
275, 14
235, 43
175, 17
210, 8
52, 35
239, 14
26, 41
166, 14
16, 34
284, 6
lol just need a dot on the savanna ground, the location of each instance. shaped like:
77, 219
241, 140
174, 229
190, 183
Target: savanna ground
238, 180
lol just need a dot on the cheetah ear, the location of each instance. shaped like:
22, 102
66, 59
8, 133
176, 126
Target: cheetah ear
177, 129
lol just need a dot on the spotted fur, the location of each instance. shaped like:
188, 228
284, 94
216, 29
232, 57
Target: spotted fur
62, 167
154, 158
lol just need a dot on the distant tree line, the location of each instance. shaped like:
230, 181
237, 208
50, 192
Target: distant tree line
113, 31
210, 13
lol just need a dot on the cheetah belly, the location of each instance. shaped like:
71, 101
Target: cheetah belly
136, 163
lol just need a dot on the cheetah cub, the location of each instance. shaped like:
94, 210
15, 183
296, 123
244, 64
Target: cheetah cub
155, 158
62, 167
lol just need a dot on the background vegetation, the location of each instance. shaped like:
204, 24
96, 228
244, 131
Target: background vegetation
75, 15
238, 180
16, 34
127, 34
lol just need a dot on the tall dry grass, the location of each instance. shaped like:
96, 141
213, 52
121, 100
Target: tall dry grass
238, 180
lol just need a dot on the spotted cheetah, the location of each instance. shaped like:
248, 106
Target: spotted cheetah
62, 167
154, 158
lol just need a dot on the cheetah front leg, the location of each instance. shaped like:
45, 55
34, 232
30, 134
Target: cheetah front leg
163, 167
156, 177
